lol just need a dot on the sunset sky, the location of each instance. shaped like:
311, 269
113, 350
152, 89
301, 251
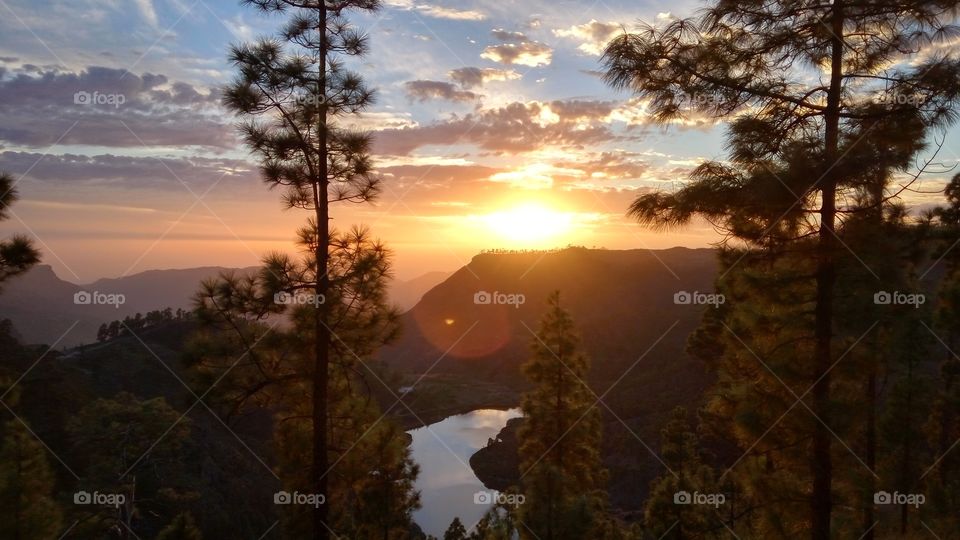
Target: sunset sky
491, 118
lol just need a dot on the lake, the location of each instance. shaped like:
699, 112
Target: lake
447, 484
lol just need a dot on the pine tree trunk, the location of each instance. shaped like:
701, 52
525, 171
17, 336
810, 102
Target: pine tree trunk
18, 487
871, 453
822, 504
905, 473
321, 376
946, 419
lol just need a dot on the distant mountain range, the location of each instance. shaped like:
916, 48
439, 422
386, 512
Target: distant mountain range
44, 307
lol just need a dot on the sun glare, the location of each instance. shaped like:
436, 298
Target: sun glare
532, 225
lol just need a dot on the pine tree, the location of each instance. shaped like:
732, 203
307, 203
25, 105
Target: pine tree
129, 447
562, 474
370, 491
942, 479
28, 510
799, 147
181, 528
103, 333
906, 408
499, 523
17, 255
295, 90
687, 474
456, 530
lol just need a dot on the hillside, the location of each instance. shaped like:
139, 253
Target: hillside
623, 304
57, 386
406, 294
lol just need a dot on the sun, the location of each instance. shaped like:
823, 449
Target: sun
529, 224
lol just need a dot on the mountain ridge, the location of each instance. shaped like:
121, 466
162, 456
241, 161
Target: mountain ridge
43, 309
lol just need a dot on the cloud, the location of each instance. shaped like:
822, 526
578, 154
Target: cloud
536, 176
593, 36
527, 53
373, 121
473, 77
512, 129
422, 90
104, 105
147, 11
517, 49
509, 37
128, 171
438, 12
436, 176
613, 166
238, 28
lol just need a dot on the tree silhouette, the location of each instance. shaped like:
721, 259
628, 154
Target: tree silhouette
456, 530
801, 148
295, 90
17, 254
370, 489
680, 450
130, 447
562, 474
28, 509
181, 528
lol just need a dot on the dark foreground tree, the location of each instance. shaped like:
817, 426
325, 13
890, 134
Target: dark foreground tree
802, 147
258, 351
688, 474
17, 254
124, 446
456, 530
28, 510
181, 528
296, 90
563, 478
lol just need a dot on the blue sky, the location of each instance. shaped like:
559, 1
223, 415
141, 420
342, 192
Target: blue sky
486, 109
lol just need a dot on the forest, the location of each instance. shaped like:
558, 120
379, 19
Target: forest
798, 378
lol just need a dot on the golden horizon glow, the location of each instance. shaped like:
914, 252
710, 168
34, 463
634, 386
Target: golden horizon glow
529, 224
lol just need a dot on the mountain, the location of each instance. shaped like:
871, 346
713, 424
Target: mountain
406, 294
479, 323
43, 307
622, 301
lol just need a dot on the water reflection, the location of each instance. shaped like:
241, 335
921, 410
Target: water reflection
447, 483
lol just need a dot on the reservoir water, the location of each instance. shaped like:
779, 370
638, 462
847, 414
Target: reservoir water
447, 484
